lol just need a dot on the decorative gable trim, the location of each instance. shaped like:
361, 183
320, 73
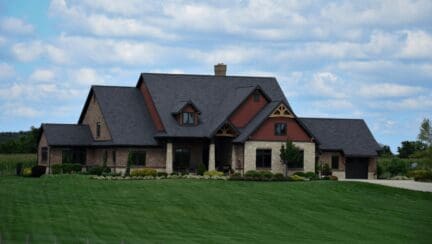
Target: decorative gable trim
282, 111
154, 114
228, 130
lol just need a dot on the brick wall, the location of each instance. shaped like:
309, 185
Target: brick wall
94, 115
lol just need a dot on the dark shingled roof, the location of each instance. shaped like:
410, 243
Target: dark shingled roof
67, 134
351, 136
219, 95
126, 115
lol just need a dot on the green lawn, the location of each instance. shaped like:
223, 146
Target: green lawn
68, 209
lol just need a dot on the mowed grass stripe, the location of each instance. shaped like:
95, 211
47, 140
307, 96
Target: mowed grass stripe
73, 208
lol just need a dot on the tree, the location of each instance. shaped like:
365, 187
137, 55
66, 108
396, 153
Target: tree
408, 148
425, 134
289, 153
385, 151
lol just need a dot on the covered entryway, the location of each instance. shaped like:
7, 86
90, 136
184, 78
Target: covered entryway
356, 168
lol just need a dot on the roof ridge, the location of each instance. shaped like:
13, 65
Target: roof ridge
64, 124
205, 75
326, 118
112, 86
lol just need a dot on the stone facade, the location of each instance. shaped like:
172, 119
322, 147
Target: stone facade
250, 148
94, 115
42, 143
326, 157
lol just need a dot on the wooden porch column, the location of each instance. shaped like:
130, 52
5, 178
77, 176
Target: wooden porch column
233, 158
169, 158
211, 163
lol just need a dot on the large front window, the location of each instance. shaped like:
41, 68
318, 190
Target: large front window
74, 155
188, 118
137, 158
263, 158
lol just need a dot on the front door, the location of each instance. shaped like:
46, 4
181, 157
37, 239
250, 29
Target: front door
223, 150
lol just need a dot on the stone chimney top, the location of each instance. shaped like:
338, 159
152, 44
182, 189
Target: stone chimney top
220, 69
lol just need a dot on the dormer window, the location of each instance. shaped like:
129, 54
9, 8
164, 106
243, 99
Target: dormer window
256, 96
98, 129
188, 118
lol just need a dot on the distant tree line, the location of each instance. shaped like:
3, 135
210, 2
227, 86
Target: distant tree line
19, 142
414, 149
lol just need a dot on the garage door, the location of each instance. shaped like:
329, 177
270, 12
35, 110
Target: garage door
356, 168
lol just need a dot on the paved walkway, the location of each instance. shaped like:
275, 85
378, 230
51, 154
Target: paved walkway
406, 184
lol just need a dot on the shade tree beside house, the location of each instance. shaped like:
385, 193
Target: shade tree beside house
173, 122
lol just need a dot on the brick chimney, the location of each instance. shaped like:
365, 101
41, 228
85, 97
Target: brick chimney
220, 69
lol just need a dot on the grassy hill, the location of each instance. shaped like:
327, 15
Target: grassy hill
71, 209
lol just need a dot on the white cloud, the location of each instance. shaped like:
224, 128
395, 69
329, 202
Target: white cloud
418, 45
6, 70
20, 110
388, 90
328, 85
42, 75
413, 103
331, 104
15, 25
103, 25
86, 76
29, 51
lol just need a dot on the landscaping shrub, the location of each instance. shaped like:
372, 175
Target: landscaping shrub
421, 175
296, 178
333, 177
27, 172
278, 176
302, 174
326, 171
266, 175
71, 168
56, 169
325, 178
213, 173
110, 174
201, 168
97, 170
310, 175
400, 177
236, 176
144, 172
252, 175
38, 170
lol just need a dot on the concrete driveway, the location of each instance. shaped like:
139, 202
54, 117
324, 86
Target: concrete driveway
405, 184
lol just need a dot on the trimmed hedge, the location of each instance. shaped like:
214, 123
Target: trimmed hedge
144, 172
98, 170
66, 168
38, 171
213, 173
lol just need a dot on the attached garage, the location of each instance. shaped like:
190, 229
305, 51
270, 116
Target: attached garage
356, 168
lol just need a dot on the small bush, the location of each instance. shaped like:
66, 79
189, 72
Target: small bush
56, 169
266, 175
213, 173
27, 172
201, 168
71, 168
325, 178
333, 177
162, 174
98, 170
278, 176
252, 174
302, 174
310, 175
421, 175
296, 178
38, 170
19, 169
326, 171
144, 172
112, 174
400, 177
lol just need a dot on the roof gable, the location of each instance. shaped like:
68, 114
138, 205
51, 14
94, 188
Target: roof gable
352, 136
219, 95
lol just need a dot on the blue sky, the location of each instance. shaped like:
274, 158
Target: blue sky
350, 59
